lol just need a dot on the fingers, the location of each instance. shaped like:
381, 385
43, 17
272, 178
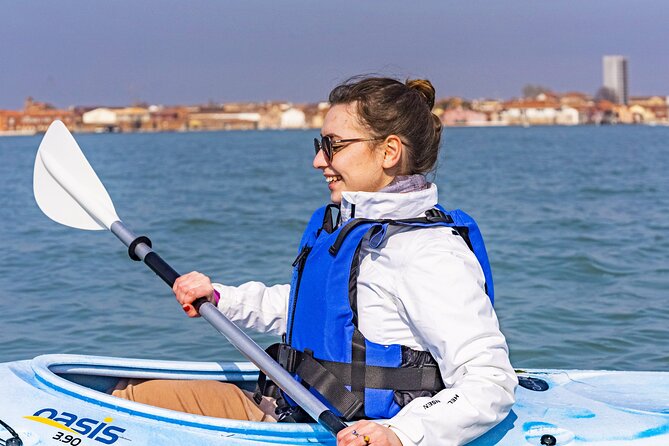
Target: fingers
367, 432
190, 310
356, 435
190, 287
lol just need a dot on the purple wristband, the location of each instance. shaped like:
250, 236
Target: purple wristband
216, 297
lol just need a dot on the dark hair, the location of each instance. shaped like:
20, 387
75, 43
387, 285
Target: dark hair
389, 107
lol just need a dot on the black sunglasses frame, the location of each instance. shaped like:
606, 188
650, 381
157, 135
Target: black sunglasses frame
331, 146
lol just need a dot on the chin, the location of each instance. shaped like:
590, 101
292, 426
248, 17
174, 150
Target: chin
335, 197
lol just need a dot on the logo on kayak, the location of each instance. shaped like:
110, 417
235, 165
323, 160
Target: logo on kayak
101, 431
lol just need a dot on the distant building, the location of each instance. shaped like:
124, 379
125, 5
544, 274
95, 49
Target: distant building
293, 118
581, 102
168, 119
658, 105
463, 117
568, 116
544, 109
102, 117
8, 123
211, 119
615, 76
314, 114
132, 118
36, 118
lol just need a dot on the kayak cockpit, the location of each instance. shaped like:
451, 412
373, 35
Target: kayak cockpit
102, 373
89, 378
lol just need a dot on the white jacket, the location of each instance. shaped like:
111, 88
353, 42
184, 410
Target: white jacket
422, 288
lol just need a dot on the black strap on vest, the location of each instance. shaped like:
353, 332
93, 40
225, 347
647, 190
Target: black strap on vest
431, 216
330, 222
330, 378
358, 345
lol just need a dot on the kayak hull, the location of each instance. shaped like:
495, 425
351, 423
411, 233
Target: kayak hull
61, 400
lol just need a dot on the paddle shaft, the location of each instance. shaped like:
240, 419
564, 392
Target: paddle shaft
140, 249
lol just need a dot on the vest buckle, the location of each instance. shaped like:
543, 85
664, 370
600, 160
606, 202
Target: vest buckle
287, 357
437, 215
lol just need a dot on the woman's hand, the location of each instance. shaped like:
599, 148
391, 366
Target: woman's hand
190, 287
366, 432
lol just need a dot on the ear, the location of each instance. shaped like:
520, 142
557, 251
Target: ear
393, 147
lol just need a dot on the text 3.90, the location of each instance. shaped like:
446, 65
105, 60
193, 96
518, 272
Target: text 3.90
60, 436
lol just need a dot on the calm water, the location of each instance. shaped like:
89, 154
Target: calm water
576, 221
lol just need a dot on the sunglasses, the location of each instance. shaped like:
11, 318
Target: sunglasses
331, 146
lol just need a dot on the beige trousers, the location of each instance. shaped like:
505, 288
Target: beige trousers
209, 398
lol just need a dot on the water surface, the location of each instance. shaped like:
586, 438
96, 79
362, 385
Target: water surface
575, 219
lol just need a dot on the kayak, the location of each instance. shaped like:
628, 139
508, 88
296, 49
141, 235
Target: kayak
62, 400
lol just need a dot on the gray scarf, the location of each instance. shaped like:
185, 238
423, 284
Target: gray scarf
406, 183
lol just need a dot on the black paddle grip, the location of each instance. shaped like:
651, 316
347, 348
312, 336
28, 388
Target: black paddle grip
167, 273
331, 422
161, 268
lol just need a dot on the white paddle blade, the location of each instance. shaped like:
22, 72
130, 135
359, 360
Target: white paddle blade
65, 185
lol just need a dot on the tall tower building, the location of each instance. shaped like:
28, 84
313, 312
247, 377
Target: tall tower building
615, 76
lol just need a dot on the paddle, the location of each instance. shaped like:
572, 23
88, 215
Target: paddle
69, 192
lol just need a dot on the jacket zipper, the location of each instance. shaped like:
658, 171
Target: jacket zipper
299, 262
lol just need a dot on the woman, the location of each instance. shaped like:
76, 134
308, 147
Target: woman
414, 289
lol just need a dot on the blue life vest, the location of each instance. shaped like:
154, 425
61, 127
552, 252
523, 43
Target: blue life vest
324, 349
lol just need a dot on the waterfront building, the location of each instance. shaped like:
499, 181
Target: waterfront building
581, 102
293, 118
125, 119
545, 109
615, 76
168, 119
492, 109
641, 114
314, 114
463, 117
8, 123
605, 112
36, 118
100, 119
218, 120
568, 116
658, 105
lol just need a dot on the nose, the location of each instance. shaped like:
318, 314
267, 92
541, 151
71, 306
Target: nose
319, 160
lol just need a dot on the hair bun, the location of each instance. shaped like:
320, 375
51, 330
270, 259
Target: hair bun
424, 87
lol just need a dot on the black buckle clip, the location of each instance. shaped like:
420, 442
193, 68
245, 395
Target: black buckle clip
287, 357
436, 215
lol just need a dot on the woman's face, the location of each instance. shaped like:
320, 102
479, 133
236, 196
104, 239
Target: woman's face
358, 166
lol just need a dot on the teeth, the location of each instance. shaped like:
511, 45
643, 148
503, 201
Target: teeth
332, 179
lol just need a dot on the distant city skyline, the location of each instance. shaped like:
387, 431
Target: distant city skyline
173, 52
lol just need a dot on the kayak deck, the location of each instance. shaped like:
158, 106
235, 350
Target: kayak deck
53, 393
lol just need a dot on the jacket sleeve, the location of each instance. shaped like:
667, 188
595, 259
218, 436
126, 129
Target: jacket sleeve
440, 293
255, 305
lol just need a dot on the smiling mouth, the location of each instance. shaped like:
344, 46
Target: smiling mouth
332, 179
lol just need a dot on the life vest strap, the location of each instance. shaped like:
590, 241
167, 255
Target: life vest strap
327, 384
313, 375
331, 378
432, 217
378, 377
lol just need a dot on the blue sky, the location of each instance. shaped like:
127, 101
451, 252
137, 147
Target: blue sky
83, 52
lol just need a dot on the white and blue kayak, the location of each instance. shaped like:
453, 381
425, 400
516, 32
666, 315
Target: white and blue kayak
62, 400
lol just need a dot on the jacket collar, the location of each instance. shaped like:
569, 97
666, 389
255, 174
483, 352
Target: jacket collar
381, 205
